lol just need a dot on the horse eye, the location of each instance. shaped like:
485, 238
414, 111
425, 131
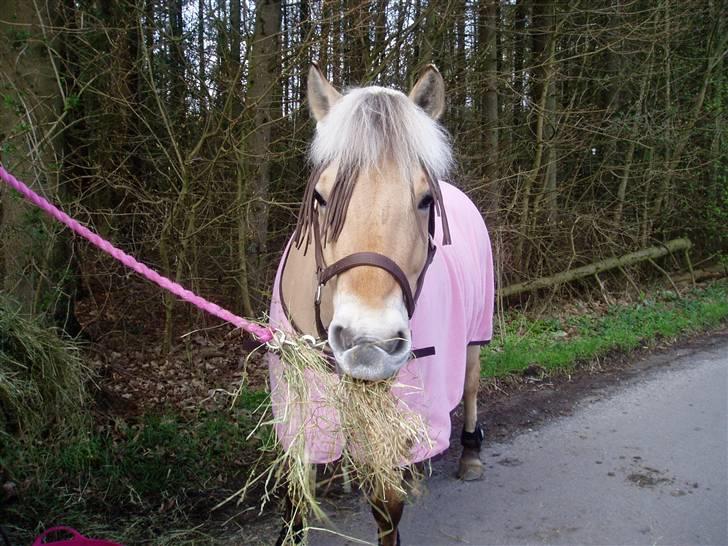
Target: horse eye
425, 203
319, 198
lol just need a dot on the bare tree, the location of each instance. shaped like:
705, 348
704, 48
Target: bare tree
262, 107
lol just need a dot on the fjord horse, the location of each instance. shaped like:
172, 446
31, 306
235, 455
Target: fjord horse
388, 263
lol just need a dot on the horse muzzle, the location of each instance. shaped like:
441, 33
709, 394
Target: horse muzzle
369, 358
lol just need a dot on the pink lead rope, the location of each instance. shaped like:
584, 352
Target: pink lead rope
261, 332
77, 539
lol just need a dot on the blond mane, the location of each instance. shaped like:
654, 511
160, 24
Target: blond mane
365, 128
371, 124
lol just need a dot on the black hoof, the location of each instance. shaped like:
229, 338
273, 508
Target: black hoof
470, 467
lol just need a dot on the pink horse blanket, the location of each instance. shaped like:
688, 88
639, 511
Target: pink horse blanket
455, 309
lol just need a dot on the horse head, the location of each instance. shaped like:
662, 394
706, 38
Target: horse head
369, 211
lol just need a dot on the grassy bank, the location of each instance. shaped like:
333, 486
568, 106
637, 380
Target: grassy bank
558, 343
152, 481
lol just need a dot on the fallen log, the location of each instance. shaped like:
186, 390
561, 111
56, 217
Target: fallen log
592, 269
713, 272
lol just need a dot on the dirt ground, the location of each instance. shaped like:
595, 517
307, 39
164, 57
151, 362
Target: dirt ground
207, 360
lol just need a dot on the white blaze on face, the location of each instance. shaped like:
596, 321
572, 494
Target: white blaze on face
369, 332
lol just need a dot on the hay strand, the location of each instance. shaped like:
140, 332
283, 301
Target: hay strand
380, 433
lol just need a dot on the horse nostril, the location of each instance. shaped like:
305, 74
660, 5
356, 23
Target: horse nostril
342, 337
395, 345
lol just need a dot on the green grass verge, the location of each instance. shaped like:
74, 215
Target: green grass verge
154, 481
558, 344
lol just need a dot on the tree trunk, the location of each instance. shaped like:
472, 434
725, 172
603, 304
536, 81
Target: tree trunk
488, 46
201, 56
546, 12
519, 54
543, 44
261, 101
177, 62
380, 36
326, 25
356, 41
306, 43
604, 265
337, 40
35, 261
234, 68
402, 8
457, 58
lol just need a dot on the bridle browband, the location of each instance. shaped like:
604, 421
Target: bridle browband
308, 228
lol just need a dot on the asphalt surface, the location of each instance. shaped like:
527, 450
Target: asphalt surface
643, 464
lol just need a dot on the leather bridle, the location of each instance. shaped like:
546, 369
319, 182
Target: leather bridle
308, 229
325, 273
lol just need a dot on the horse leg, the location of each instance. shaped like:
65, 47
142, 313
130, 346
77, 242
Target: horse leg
471, 468
387, 510
292, 528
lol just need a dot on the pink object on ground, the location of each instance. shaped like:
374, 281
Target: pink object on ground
454, 309
77, 538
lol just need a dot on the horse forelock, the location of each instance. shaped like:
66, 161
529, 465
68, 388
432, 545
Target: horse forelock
367, 128
371, 125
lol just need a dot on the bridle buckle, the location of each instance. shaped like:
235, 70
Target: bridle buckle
317, 298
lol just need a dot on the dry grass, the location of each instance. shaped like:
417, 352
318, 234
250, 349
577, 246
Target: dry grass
378, 430
42, 377
380, 434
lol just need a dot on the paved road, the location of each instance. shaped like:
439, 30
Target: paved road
644, 465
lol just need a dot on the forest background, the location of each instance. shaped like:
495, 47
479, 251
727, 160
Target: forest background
178, 129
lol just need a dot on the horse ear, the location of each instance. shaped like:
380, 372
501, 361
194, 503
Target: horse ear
429, 92
321, 94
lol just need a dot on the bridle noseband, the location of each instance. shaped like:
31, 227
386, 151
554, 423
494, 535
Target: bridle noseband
325, 273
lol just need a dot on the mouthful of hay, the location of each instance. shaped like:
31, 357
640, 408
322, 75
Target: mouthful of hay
378, 430
379, 434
